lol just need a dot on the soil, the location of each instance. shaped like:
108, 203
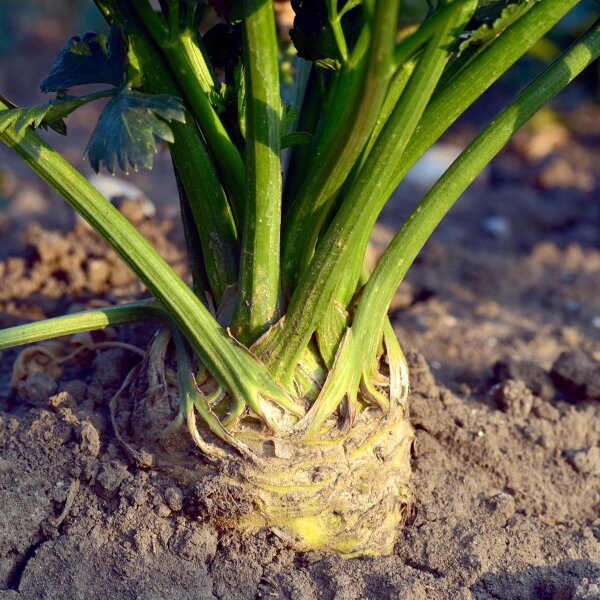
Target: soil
500, 321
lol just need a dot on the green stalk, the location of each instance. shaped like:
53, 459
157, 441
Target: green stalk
371, 314
192, 74
193, 245
309, 105
208, 204
233, 366
331, 329
452, 100
338, 260
354, 106
259, 282
87, 320
207, 200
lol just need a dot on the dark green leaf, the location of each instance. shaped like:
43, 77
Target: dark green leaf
312, 34
492, 18
128, 127
296, 139
50, 114
88, 59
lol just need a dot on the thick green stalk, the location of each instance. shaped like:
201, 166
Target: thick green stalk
192, 74
87, 320
340, 252
392, 267
331, 329
259, 283
354, 107
231, 364
209, 207
451, 101
443, 109
207, 200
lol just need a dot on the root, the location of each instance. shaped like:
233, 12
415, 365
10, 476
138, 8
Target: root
139, 458
48, 357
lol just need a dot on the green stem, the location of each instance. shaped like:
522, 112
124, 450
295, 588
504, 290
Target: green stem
259, 284
192, 74
233, 366
88, 320
392, 267
207, 200
338, 32
338, 260
209, 207
354, 106
193, 243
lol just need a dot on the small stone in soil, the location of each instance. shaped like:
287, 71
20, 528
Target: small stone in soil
62, 400
110, 478
174, 498
530, 373
512, 397
585, 461
37, 388
89, 439
162, 510
502, 505
545, 410
76, 388
577, 375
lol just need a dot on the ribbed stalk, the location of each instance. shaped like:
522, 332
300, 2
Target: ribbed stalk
340, 252
354, 107
88, 320
192, 74
259, 285
367, 327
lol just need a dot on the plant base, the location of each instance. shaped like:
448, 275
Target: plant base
345, 495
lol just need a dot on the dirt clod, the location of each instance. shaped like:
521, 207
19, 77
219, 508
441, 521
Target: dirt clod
577, 375
110, 478
174, 498
89, 439
585, 461
37, 388
530, 373
110, 367
513, 397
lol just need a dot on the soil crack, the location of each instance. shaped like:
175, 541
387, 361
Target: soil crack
413, 564
14, 580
